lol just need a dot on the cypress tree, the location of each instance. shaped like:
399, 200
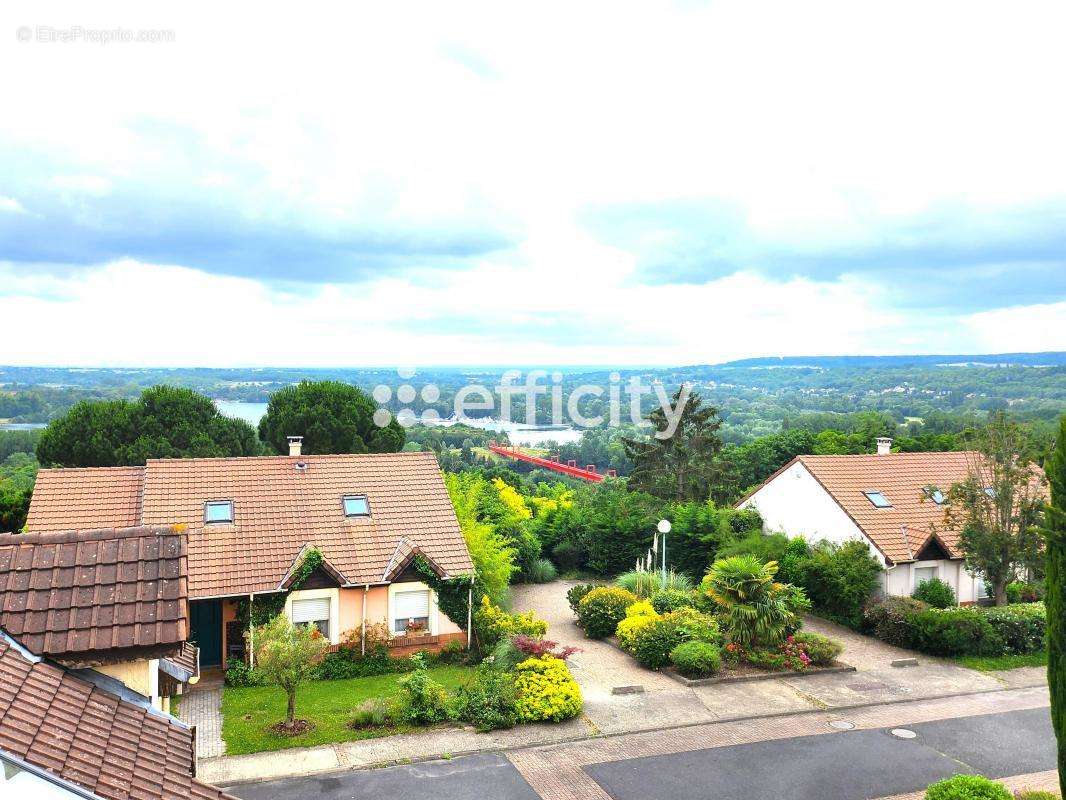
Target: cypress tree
1056, 595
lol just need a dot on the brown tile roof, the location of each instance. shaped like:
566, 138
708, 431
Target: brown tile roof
72, 595
901, 531
86, 498
183, 665
278, 509
87, 736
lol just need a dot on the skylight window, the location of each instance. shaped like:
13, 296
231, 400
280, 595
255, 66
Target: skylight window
356, 505
990, 491
878, 499
218, 511
937, 497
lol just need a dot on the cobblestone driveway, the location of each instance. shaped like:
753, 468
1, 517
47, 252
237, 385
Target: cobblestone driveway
202, 707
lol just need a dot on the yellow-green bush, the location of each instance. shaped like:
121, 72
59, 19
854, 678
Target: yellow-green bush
492, 624
547, 692
637, 616
600, 611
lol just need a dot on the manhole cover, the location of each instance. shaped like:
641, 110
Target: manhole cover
903, 733
842, 725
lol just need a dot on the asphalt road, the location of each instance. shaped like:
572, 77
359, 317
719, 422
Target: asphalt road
853, 765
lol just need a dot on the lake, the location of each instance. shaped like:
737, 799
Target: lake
517, 432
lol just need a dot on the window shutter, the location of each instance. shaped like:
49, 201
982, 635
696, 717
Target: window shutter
310, 610
411, 604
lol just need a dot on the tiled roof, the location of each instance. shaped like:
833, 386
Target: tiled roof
86, 498
183, 665
901, 530
278, 509
87, 736
71, 595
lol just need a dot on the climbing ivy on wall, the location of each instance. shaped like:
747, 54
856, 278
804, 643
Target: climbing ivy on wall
452, 594
266, 607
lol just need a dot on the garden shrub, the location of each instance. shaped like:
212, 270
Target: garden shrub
654, 641
967, 787
546, 691
453, 652
1022, 627
238, 674
666, 600
637, 616
954, 632
373, 713
765, 547
492, 623
600, 611
539, 648
575, 593
645, 583
889, 619
568, 555
348, 664
1035, 795
490, 701
820, 649
838, 578
422, 701
936, 593
787, 655
541, 570
696, 659
1020, 592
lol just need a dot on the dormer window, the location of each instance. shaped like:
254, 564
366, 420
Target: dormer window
218, 511
878, 499
356, 505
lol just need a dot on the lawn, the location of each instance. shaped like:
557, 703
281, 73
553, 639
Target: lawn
989, 664
248, 712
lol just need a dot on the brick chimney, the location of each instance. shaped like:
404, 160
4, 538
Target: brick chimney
296, 444
884, 445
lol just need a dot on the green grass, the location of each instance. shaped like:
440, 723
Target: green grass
249, 711
990, 664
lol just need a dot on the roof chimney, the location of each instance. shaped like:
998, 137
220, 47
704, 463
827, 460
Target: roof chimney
296, 445
884, 445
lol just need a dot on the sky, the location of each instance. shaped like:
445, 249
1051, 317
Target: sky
503, 183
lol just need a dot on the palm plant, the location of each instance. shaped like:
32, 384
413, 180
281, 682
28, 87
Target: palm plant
758, 611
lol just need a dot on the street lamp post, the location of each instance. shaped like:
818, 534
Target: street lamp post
664, 528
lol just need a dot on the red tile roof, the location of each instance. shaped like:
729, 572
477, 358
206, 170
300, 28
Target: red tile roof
91, 596
279, 509
87, 736
87, 498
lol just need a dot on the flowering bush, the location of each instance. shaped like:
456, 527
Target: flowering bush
600, 611
789, 655
547, 692
821, 649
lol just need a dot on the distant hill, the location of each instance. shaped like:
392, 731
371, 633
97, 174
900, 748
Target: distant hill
1056, 359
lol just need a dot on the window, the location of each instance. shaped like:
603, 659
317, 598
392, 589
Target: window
410, 611
218, 511
878, 499
937, 497
922, 574
356, 505
313, 611
990, 491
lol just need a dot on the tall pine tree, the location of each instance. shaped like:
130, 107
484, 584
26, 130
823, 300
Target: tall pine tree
1055, 532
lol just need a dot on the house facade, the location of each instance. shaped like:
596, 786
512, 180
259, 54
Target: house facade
252, 522
887, 500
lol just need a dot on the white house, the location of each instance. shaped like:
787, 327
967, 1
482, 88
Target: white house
883, 500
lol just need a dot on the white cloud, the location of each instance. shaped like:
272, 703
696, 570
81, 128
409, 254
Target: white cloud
10, 205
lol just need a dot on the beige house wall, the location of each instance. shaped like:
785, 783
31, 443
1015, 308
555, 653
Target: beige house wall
140, 676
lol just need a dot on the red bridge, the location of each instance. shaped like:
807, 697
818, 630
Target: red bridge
570, 468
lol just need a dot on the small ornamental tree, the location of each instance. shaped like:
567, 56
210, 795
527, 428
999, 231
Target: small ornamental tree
997, 507
1055, 543
287, 654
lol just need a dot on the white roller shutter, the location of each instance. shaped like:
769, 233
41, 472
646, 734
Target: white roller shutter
411, 604
312, 610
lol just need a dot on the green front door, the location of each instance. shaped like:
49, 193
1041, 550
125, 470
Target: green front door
205, 619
